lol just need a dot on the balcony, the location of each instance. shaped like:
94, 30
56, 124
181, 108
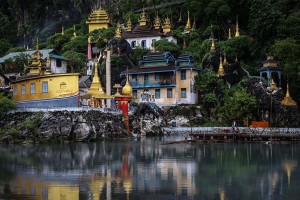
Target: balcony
136, 84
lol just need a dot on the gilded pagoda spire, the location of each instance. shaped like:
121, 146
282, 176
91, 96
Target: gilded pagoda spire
229, 33
213, 47
129, 25
225, 59
143, 18
74, 33
118, 31
62, 30
167, 25
180, 17
96, 88
157, 23
184, 44
237, 30
288, 101
188, 24
221, 68
127, 89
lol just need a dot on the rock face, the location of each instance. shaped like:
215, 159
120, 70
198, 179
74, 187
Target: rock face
183, 115
62, 126
148, 119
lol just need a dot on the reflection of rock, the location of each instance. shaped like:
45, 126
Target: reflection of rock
148, 119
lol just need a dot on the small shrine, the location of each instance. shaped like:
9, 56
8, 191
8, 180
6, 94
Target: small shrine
123, 100
271, 67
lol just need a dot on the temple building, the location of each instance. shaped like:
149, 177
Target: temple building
145, 33
98, 19
164, 80
47, 84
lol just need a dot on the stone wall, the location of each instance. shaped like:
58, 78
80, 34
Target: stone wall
61, 126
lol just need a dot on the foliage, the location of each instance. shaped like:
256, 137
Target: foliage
4, 46
76, 61
238, 105
165, 45
6, 105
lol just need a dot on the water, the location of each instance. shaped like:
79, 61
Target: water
148, 169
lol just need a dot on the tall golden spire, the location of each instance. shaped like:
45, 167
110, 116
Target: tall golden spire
118, 31
188, 24
237, 31
213, 47
143, 18
96, 87
225, 59
167, 25
221, 68
194, 23
288, 101
129, 25
157, 22
229, 33
74, 33
62, 30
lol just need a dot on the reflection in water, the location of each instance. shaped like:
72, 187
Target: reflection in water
149, 169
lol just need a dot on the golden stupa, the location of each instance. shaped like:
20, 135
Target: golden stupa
127, 89
96, 89
221, 71
288, 101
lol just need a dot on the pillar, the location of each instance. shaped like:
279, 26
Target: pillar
108, 77
89, 51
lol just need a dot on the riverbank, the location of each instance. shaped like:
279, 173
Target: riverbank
61, 126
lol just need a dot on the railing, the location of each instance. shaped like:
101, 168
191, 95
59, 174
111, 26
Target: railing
105, 110
149, 83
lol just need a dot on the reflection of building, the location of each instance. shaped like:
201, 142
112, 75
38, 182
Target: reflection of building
170, 82
46, 85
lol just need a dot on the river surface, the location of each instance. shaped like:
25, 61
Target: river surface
150, 169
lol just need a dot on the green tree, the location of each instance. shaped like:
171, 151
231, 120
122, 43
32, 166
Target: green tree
238, 105
76, 61
165, 45
6, 105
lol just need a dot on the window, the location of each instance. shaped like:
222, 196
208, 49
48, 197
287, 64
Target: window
134, 94
157, 77
143, 44
183, 92
153, 41
146, 79
58, 63
63, 85
157, 93
32, 88
183, 74
134, 77
15, 90
133, 44
45, 87
23, 90
169, 93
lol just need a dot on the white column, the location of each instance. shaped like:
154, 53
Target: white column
108, 78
